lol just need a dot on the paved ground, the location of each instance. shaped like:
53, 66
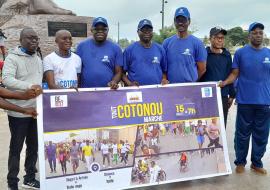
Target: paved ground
83, 166
246, 181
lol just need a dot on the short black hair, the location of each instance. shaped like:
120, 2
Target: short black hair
24, 31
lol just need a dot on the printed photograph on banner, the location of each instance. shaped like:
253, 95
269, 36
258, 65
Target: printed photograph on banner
177, 165
155, 139
89, 150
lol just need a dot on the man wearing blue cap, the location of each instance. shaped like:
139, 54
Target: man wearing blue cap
102, 60
144, 61
186, 54
251, 65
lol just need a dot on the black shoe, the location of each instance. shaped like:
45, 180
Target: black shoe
13, 187
33, 184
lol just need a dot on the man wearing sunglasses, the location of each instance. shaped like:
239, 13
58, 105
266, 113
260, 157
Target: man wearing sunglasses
144, 61
102, 59
186, 54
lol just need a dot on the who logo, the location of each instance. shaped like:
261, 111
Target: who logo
59, 101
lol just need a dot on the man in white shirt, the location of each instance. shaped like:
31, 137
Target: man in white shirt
154, 171
105, 153
62, 68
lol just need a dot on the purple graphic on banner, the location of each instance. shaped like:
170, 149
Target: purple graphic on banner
83, 110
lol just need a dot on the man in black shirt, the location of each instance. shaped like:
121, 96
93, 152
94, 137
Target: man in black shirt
218, 67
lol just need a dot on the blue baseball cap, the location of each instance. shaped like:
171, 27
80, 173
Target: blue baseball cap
255, 25
99, 20
182, 11
143, 23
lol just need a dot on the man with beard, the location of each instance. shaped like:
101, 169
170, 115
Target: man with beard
186, 54
62, 68
102, 59
22, 71
251, 65
144, 61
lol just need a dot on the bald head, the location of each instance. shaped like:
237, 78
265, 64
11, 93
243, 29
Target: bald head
63, 39
61, 33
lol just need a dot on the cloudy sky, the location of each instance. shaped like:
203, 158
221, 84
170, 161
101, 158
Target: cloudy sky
204, 13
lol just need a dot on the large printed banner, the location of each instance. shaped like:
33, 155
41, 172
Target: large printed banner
131, 137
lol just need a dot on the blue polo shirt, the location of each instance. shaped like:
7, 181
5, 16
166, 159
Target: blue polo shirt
253, 85
145, 65
182, 57
218, 67
98, 62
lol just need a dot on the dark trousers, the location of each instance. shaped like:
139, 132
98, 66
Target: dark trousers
22, 129
52, 163
252, 120
214, 142
225, 108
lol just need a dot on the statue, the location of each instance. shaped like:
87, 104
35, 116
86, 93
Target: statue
32, 7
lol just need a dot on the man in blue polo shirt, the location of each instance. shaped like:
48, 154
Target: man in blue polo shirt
218, 67
186, 54
102, 60
144, 61
251, 65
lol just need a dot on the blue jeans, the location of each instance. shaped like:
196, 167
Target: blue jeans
251, 120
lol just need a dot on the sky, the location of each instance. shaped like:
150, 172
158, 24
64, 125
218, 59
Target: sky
204, 13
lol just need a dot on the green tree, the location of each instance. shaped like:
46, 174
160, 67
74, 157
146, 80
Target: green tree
206, 40
167, 32
237, 36
123, 43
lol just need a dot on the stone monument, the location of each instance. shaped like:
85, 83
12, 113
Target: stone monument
45, 17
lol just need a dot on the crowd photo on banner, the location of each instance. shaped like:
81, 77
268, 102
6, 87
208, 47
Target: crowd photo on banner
74, 152
154, 151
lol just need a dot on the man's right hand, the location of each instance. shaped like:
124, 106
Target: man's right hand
221, 84
29, 94
37, 89
30, 111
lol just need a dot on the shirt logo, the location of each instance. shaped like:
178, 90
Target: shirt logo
106, 59
181, 11
266, 60
186, 52
155, 60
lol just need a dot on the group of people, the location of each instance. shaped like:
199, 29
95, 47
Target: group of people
99, 62
73, 152
150, 135
87, 152
147, 171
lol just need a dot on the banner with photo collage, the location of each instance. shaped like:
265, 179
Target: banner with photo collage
130, 137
